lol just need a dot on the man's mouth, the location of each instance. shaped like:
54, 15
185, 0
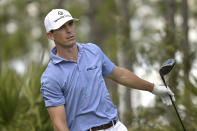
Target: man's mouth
70, 37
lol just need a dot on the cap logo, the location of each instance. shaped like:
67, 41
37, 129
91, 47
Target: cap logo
63, 16
60, 13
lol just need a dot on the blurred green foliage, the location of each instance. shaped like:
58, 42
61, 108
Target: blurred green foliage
21, 28
22, 107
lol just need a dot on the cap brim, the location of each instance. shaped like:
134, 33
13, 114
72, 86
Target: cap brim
62, 22
75, 19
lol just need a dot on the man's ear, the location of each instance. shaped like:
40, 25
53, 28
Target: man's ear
50, 35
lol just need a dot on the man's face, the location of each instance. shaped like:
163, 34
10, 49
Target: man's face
65, 35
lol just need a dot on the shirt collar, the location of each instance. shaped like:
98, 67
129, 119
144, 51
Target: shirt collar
56, 59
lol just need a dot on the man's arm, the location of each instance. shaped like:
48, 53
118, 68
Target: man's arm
129, 79
58, 117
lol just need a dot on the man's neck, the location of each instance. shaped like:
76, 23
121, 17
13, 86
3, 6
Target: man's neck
68, 53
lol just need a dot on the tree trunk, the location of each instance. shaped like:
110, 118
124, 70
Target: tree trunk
60, 3
170, 38
95, 35
124, 59
170, 12
185, 41
187, 59
0, 56
170, 24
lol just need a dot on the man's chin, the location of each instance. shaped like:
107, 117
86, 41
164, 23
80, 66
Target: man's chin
70, 45
72, 42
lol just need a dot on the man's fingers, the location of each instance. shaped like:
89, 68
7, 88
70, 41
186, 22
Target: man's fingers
170, 92
168, 101
173, 98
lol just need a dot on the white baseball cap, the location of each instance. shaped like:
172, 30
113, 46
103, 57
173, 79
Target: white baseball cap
56, 18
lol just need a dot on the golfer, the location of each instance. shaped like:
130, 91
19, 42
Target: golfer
73, 85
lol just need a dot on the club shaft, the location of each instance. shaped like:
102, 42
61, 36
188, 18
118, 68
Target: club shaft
174, 105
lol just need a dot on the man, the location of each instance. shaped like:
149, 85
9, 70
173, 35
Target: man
73, 86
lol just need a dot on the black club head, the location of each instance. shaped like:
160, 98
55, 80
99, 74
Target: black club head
167, 67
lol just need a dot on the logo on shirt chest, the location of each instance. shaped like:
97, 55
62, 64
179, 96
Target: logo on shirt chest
91, 68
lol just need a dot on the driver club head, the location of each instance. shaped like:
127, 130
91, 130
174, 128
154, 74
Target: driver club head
167, 67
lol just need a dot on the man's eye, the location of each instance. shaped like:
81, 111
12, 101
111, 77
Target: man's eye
70, 23
62, 27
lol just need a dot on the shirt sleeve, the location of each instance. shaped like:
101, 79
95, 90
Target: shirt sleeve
52, 93
107, 64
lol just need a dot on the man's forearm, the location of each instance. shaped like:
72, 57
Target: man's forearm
129, 79
134, 81
58, 117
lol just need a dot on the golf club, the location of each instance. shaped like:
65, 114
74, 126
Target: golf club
165, 69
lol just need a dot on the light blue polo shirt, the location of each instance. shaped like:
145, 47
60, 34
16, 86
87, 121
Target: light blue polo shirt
80, 87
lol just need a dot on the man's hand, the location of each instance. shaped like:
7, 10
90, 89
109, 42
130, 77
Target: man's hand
164, 93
